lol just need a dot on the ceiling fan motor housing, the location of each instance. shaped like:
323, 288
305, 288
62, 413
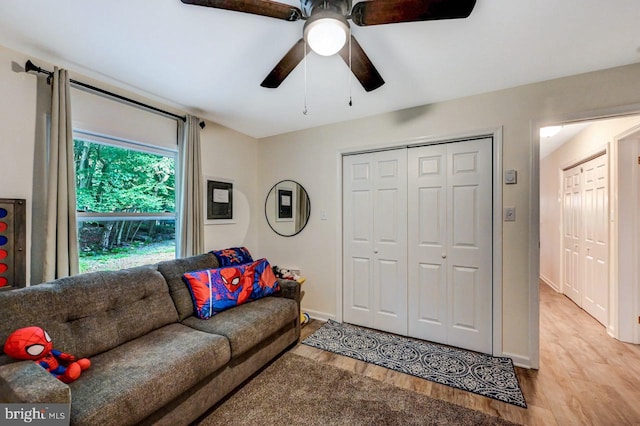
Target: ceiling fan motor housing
341, 7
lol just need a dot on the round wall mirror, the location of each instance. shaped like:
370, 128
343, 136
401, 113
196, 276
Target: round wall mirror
287, 208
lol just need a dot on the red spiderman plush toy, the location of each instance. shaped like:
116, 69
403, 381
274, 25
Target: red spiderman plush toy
35, 344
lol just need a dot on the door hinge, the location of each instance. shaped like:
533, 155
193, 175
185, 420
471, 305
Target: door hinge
638, 320
638, 160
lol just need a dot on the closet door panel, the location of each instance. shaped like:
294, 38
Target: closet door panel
427, 211
374, 240
430, 213
572, 235
389, 303
390, 241
464, 206
358, 240
470, 248
429, 287
464, 294
360, 293
595, 253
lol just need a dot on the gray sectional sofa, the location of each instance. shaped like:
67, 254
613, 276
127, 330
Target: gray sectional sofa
152, 361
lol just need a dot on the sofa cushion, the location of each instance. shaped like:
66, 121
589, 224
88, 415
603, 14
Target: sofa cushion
233, 256
172, 270
91, 313
216, 290
132, 381
247, 325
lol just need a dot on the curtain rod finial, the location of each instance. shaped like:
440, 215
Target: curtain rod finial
29, 66
202, 124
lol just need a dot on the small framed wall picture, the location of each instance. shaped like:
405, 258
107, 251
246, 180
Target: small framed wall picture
285, 203
219, 201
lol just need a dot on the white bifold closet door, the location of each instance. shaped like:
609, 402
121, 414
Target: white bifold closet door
450, 244
417, 242
375, 240
585, 236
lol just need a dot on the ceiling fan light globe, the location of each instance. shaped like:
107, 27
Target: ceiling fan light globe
326, 36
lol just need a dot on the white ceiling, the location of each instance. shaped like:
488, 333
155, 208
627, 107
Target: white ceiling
211, 62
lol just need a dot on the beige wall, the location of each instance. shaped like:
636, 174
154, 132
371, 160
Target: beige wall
17, 131
594, 138
312, 158
23, 102
230, 155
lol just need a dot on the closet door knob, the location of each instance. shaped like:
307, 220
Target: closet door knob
444, 256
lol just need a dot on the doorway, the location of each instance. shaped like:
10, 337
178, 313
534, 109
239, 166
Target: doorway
566, 272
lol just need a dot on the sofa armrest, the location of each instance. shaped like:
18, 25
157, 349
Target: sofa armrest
289, 289
25, 381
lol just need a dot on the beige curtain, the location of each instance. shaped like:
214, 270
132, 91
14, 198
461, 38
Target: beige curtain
61, 232
190, 221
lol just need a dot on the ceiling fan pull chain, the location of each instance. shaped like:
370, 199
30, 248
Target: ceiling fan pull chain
304, 111
350, 71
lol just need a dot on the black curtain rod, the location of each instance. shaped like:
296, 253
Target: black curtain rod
30, 66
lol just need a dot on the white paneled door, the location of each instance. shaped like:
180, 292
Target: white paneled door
572, 234
586, 236
418, 242
450, 244
375, 240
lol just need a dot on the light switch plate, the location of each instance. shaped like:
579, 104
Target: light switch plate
510, 177
509, 214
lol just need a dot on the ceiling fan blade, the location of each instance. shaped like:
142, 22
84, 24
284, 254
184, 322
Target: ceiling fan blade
390, 12
291, 60
256, 7
361, 66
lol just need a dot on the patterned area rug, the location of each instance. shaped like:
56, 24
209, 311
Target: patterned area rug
483, 374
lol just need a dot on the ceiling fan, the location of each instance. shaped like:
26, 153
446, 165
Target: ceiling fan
327, 30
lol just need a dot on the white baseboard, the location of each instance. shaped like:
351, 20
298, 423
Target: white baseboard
550, 283
322, 316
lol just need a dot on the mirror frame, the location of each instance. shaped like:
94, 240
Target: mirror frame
266, 215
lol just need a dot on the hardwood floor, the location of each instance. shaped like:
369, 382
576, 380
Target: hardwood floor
585, 376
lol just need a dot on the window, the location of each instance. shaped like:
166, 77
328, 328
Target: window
126, 202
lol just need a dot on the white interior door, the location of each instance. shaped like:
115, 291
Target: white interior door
375, 240
450, 244
572, 234
470, 242
595, 251
586, 237
427, 197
